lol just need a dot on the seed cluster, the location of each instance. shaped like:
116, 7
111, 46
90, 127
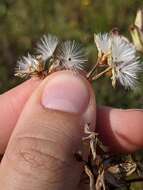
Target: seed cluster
117, 57
52, 55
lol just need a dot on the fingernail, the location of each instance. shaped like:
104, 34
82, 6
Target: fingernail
66, 92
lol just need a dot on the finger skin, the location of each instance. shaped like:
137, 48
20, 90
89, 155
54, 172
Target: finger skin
40, 153
11, 104
121, 130
126, 136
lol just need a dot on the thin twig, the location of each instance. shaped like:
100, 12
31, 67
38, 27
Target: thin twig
92, 137
134, 180
92, 70
100, 183
102, 73
91, 177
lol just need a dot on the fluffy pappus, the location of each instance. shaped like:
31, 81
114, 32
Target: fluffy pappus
47, 46
121, 58
103, 43
125, 63
70, 55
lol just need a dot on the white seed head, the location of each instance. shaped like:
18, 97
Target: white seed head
121, 57
125, 62
47, 46
103, 43
27, 66
71, 55
127, 74
122, 51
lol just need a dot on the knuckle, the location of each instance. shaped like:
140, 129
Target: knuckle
33, 153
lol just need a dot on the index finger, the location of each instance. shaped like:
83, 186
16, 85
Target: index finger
122, 130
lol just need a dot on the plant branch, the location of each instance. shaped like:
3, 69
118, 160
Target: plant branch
89, 74
134, 180
102, 73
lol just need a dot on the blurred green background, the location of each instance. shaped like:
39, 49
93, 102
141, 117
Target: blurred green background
23, 22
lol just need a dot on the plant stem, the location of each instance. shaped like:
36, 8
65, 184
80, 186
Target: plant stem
92, 70
91, 177
102, 73
135, 180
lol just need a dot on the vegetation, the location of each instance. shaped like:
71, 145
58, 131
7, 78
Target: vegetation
23, 22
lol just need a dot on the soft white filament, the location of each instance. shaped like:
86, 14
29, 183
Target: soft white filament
103, 43
125, 62
71, 55
47, 46
127, 74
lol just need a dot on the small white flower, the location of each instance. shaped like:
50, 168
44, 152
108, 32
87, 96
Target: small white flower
103, 43
47, 46
125, 63
28, 65
71, 55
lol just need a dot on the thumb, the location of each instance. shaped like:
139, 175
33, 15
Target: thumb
49, 131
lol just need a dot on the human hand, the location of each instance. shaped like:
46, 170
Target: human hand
40, 151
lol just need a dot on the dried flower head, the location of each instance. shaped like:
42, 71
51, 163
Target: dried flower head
120, 56
47, 46
52, 56
29, 65
70, 55
103, 43
125, 64
136, 31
